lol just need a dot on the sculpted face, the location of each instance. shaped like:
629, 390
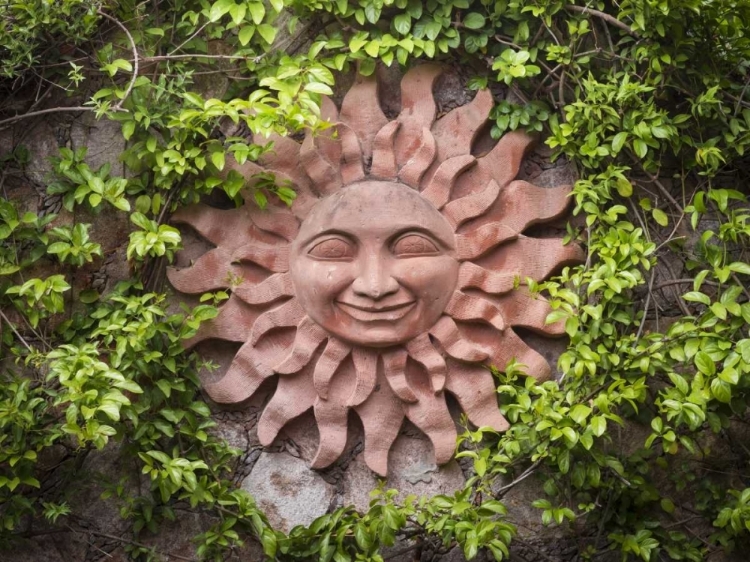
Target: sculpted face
374, 264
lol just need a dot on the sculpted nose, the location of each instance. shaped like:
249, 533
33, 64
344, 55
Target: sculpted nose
374, 281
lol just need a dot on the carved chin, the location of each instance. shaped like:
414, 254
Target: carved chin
393, 342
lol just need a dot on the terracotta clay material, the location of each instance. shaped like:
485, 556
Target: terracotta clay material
397, 276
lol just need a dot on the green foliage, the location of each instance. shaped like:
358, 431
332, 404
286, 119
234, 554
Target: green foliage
648, 100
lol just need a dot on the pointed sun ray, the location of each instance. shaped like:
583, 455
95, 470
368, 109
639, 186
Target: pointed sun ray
233, 323
351, 156
331, 418
438, 190
521, 308
394, 367
334, 353
472, 276
474, 387
280, 222
324, 174
430, 414
456, 131
536, 258
271, 289
383, 156
272, 258
213, 270
481, 240
453, 343
470, 308
418, 109
331, 415
293, 397
361, 111
246, 373
502, 164
287, 315
411, 173
366, 368
382, 415
522, 204
422, 351
510, 346
218, 226
309, 337
461, 210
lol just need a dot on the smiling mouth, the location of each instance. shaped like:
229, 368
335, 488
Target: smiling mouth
376, 314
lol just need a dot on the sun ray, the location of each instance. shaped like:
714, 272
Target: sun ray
456, 132
394, 367
272, 258
478, 242
274, 220
273, 288
334, 353
501, 164
461, 210
521, 308
245, 375
418, 109
327, 145
422, 351
331, 418
214, 224
446, 332
361, 111
309, 337
438, 190
430, 414
287, 315
325, 177
233, 323
411, 173
383, 156
294, 395
476, 392
366, 369
382, 415
510, 346
470, 308
472, 276
212, 271
351, 156
536, 258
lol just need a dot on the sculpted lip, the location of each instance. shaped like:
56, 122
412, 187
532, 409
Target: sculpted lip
374, 313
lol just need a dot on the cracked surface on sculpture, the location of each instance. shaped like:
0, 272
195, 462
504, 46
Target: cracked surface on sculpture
396, 276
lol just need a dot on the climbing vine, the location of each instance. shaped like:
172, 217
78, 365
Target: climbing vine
648, 99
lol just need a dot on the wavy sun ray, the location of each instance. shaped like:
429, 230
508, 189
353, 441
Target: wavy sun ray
479, 198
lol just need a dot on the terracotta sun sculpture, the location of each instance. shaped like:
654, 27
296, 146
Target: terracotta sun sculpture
390, 281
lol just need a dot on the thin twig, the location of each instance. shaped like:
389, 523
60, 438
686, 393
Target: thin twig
44, 112
118, 105
528, 472
134, 543
186, 41
606, 17
645, 308
18, 335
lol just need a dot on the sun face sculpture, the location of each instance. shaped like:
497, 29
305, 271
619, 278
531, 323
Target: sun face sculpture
390, 281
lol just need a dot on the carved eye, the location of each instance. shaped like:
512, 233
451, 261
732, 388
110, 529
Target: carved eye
332, 249
414, 245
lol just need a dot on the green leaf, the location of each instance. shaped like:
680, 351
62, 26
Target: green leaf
704, 363
257, 12
619, 141
474, 21
660, 217
267, 32
245, 34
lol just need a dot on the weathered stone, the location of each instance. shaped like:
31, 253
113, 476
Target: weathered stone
287, 490
411, 469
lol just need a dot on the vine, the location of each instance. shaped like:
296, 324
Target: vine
648, 99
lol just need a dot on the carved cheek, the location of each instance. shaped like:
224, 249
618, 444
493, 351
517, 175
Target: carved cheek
428, 277
324, 281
